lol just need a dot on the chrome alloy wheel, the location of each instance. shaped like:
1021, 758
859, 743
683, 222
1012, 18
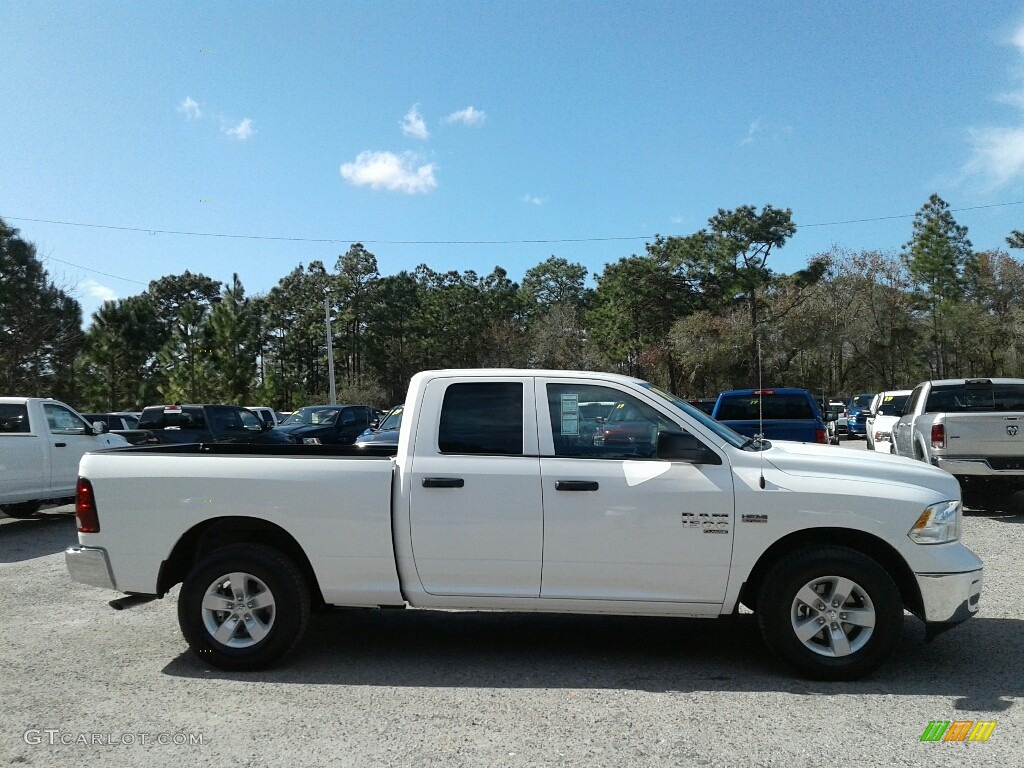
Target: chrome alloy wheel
238, 610
833, 616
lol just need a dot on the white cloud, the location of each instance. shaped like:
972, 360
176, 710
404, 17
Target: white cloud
96, 291
467, 116
386, 170
997, 152
755, 128
532, 200
190, 109
413, 125
242, 131
997, 155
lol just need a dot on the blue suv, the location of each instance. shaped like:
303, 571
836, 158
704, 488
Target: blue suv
857, 412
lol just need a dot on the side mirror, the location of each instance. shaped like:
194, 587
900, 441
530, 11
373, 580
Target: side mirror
829, 416
99, 428
682, 446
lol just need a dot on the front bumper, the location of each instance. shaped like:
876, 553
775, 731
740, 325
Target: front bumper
90, 565
949, 599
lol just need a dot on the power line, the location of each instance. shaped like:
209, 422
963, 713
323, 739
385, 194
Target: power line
340, 241
90, 269
343, 240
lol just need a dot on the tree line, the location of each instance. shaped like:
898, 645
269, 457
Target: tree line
694, 314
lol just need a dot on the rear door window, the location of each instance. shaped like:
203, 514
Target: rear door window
482, 418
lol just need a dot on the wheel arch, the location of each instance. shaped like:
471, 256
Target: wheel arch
877, 549
219, 532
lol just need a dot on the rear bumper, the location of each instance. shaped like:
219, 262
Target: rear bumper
977, 467
90, 565
949, 599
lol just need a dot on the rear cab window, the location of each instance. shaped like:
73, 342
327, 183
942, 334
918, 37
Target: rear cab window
173, 417
974, 396
775, 406
14, 419
482, 418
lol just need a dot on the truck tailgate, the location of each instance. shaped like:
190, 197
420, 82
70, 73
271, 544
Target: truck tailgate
985, 434
337, 508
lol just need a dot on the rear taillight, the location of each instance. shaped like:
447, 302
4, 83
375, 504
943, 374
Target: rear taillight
85, 508
938, 435
821, 436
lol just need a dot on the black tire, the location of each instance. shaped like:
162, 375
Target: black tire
275, 606
840, 650
22, 511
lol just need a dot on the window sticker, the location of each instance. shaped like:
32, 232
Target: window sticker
570, 414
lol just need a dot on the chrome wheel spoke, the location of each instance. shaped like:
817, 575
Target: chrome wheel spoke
841, 590
860, 617
257, 629
838, 641
807, 630
238, 584
215, 602
262, 600
227, 630
808, 596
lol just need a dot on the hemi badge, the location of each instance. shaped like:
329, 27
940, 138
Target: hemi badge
754, 518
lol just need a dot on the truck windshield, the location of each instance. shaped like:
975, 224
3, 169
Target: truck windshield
312, 415
733, 438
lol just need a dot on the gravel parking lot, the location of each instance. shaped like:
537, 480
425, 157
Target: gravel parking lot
84, 684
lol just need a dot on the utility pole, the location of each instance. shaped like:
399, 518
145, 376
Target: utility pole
330, 349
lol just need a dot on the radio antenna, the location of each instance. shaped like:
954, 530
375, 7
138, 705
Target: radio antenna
760, 417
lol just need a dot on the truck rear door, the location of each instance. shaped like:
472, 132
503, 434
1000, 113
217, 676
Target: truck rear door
476, 515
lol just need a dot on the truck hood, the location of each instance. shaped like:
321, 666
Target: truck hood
304, 429
812, 460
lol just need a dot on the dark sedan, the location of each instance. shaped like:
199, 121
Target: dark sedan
386, 432
327, 424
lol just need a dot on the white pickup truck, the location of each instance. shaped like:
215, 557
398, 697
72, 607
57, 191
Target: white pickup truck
498, 500
41, 444
972, 428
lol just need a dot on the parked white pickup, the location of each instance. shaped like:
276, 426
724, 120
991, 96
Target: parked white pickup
498, 500
41, 444
972, 428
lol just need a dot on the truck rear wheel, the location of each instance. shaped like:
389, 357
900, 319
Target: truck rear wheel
21, 511
243, 607
830, 613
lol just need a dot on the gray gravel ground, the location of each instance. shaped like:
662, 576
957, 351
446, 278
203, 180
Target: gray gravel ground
430, 688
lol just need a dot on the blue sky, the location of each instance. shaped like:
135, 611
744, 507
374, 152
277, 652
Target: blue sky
402, 124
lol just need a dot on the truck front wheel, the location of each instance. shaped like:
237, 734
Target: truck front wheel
243, 607
831, 613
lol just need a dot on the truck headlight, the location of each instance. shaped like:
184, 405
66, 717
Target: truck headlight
882, 437
938, 524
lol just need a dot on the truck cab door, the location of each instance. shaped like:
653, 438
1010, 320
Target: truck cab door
903, 429
476, 520
24, 468
69, 438
619, 523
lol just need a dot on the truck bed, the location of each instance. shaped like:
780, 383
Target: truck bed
334, 502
